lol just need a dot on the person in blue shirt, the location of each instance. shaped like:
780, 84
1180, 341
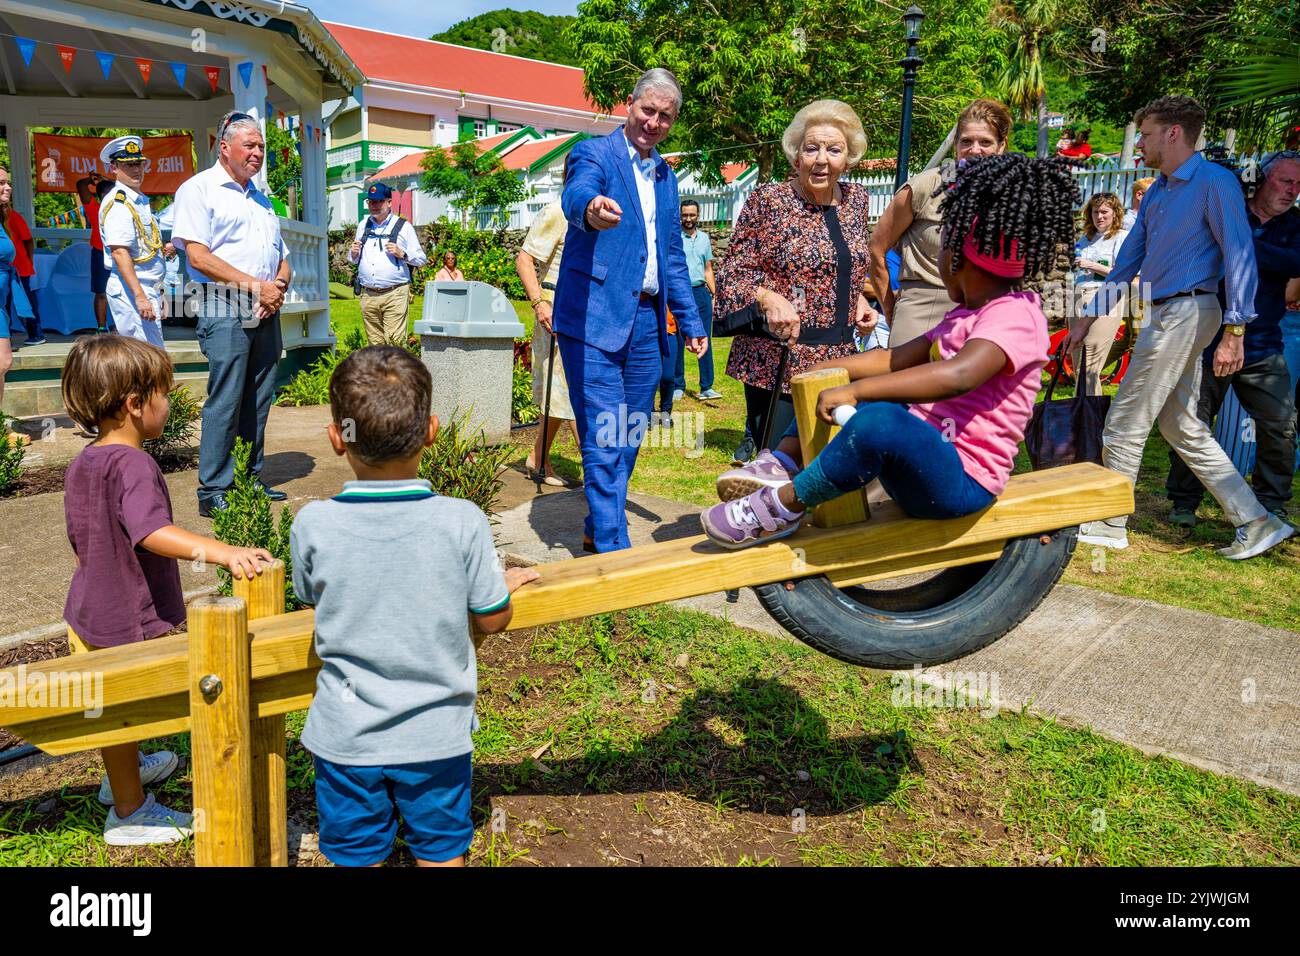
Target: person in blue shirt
1191, 231
1263, 384
699, 263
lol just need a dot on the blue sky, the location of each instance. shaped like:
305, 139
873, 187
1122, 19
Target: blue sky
421, 19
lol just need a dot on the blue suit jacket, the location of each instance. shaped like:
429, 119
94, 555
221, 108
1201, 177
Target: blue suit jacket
601, 272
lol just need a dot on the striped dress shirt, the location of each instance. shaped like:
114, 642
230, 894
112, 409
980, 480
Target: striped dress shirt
1191, 231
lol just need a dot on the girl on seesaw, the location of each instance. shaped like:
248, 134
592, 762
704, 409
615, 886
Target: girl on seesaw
940, 417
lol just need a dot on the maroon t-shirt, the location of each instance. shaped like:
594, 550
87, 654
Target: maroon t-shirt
114, 497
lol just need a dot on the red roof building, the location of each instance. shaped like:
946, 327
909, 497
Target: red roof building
420, 94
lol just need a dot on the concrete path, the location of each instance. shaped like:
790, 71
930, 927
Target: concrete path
1214, 692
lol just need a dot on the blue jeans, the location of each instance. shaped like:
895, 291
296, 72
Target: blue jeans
917, 467
666, 382
704, 302
241, 386
613, 395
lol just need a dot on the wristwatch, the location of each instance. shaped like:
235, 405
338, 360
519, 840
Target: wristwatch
1237, 330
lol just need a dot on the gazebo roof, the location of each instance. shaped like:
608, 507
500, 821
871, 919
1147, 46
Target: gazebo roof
104, 63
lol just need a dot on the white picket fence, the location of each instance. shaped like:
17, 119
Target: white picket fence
723, 204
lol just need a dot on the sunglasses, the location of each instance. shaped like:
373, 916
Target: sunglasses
232, 118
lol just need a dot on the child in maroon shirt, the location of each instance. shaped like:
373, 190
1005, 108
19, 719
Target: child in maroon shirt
127, 587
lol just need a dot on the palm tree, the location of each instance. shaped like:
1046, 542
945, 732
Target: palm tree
1033, 28
1264, 86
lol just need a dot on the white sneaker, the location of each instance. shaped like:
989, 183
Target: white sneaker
1111, 533
152, 823
678, 395
153, 768
710, 395
1256, 537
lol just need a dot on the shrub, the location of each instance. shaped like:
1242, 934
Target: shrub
179, 430
11, 456
460, 464
481, 255
522, 409
247, 523
311, 386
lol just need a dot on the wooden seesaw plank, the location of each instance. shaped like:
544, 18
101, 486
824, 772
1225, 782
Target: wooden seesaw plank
145, 686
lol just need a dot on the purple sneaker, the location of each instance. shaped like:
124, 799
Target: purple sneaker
751, 520
765, 471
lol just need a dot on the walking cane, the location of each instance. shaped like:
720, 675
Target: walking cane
776, 394
539, 474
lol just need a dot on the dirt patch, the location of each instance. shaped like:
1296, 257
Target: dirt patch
49, 479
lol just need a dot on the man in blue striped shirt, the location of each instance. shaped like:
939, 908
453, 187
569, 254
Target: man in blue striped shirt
1191, 231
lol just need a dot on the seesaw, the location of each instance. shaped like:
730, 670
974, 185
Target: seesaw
993, 568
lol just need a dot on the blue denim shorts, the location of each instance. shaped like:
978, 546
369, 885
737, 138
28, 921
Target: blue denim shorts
359, 809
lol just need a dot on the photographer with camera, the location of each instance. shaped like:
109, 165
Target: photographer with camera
1263, 383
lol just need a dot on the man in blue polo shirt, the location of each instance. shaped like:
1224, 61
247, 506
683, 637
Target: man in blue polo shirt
699, 262
1263, 384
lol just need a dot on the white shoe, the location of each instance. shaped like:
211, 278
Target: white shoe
152, 823
153, 768
1111, 533
709, 395
678, 395
1256, 537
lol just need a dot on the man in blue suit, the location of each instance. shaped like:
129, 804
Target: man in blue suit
622, 266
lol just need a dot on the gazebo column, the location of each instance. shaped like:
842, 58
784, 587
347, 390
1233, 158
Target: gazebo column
315, 209
250, 98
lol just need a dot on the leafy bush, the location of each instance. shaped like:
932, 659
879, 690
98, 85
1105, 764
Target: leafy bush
179, 430
522, 409
311, 386
248, 523
460, 464
482, 255
11, 456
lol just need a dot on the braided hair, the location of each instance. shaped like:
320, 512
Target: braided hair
1011, 196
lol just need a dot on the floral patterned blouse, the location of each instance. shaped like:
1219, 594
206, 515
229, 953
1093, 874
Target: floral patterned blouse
783, 243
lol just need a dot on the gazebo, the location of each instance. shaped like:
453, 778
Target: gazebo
181, 64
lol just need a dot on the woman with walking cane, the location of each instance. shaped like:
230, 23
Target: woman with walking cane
541, 251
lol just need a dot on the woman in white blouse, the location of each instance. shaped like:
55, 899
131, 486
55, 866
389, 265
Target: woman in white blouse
1095, 255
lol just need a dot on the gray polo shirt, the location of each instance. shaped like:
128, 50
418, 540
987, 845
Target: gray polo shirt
394, 571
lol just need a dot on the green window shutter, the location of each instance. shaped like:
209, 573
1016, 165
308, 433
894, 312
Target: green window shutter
465, 128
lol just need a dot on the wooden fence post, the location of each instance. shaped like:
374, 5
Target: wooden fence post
219, 674
264, 596
815, 434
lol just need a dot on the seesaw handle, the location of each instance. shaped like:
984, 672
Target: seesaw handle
843, 413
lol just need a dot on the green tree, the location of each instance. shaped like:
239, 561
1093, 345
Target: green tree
1262, 85
1033, 28
745, 70
286, 171
526, 33
472, 179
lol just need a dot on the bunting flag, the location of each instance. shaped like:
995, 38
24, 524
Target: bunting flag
307, 130
26, 47
146, 67
213, 74
212, 141
284, 153
179, 70
317, 135
270, 160
246, 72
280, 115
269, 113
105, 63
67, 54
290, 124
266, 77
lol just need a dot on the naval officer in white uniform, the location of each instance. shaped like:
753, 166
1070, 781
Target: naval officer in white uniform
133, 246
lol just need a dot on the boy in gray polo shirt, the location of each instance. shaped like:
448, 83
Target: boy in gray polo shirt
394, 572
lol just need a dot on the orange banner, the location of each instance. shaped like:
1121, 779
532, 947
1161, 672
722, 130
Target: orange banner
62, 160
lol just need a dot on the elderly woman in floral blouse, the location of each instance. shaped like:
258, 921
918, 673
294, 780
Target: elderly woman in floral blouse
797, 262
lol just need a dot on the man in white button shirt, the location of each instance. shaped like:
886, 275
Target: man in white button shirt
384, 251
132, 245
231, 237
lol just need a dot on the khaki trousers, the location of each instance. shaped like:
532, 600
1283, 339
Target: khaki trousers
1101, 336
917, 309
384, 315
1163, 386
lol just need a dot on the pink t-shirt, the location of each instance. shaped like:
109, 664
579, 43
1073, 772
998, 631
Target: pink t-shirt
987, 423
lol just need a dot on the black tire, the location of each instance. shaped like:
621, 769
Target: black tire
950, 615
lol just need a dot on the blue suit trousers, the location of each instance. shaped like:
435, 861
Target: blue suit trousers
612, 394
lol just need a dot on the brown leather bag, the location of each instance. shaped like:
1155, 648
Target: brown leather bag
1066, 430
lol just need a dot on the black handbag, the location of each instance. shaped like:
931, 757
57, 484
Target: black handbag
1066, 430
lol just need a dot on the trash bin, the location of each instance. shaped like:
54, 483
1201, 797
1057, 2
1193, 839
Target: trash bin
467, 341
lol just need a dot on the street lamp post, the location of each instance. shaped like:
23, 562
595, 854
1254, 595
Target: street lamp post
912, 17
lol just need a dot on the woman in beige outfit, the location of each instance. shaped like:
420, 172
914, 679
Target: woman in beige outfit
912, 223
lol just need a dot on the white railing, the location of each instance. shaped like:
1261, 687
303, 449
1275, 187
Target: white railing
344, 155
309, 259
56, 240
1108, 178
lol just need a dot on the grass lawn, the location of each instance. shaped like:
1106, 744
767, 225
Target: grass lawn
671, 737
1162, 563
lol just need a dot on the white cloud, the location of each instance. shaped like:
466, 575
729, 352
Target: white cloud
421, 20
